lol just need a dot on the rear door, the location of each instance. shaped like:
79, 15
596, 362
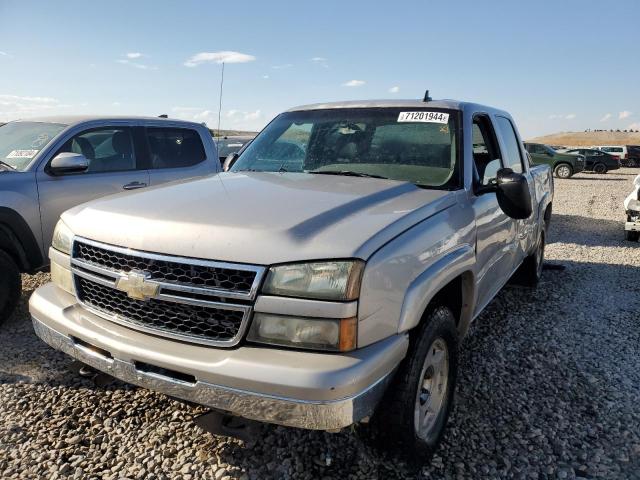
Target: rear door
176, 153
114, 167
495, 231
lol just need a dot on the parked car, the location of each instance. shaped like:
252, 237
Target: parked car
231, 144
619, 151
633, 156
596, 161
558, 147
51, 164
564, 165
333, 269
632, 209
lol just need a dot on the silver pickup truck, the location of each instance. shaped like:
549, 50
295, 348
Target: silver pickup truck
48, 165
332, 270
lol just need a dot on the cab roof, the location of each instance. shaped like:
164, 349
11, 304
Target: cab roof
70, 120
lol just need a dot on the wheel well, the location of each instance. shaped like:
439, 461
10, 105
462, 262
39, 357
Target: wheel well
456, 295
547, 216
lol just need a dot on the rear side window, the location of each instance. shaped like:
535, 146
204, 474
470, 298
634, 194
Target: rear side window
512, 155
174, 147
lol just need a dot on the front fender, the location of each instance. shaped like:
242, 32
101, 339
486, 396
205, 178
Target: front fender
459, 261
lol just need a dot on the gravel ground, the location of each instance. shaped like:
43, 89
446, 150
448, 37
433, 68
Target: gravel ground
549, 386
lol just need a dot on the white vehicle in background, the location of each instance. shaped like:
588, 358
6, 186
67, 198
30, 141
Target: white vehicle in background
632, 209
619, 151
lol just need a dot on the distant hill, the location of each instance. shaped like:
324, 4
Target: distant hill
232, 133
585, 139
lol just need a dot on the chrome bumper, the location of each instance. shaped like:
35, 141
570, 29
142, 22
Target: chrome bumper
328, 415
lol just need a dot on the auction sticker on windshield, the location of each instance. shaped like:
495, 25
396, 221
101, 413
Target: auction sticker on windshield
427, 117
22, 154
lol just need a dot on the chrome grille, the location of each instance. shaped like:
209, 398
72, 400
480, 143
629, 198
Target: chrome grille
193, 300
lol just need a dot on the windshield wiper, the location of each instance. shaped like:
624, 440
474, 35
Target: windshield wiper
346, 173
4, 164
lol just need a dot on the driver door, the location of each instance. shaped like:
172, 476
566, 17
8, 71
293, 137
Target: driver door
113, 168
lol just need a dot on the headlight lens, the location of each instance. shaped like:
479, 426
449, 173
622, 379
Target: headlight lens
309, 333
62, 238
335, 280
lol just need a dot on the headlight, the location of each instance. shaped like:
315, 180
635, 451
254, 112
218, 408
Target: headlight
336, 280
310, 333
62, 238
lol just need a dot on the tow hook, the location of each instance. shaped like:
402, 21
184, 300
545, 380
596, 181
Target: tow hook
219, 423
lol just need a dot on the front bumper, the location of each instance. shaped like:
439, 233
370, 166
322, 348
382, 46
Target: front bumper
319, 391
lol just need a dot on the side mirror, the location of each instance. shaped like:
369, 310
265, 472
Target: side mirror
68, 162
229, 161
512, 191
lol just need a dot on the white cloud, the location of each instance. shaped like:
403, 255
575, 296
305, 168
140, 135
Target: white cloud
4, 54
13, 107
624, 114
116, 104
571, 116
265, 76
232, 119
394, 89
318, 59
137, 65
607, 116
134, 55
354, 83
284, 65
249, 116
226, 56
634, 126
556, 116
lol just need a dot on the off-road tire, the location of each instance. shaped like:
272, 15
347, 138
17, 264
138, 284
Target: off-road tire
10, 286
563, 170
600, 168
631, 236
530, 272
393, 422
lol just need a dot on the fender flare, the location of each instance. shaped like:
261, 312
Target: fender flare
17, 239
422, 290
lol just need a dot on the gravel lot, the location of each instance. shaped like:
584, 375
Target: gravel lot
549, 386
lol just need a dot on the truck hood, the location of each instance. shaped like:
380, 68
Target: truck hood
260, 218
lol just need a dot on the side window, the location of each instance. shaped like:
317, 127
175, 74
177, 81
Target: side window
174, 147
106, 149
513, 155
486, 155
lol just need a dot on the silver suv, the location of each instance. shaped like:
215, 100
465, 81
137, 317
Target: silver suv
49, 165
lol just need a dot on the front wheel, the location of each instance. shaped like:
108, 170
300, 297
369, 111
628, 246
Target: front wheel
413, 415
631, 236
9, 286
563, 170
530, 272
599, 168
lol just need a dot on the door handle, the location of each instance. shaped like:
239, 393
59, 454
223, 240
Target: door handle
134, 185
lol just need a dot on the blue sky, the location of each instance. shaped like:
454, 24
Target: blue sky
555, 65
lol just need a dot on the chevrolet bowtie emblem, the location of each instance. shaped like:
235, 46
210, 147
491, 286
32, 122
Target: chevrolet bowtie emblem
137, 286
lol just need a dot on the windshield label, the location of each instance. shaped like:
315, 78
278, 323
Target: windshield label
22, 154
426, 117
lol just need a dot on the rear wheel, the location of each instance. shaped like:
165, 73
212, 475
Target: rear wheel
563, 170
631, 235
413, 415
9, 286
600, 168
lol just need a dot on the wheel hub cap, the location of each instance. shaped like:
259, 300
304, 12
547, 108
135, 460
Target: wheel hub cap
432, 390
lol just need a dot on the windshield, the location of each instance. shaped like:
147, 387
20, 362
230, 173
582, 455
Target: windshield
21, 141
407, 144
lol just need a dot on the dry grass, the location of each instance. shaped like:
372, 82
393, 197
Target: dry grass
580, 139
